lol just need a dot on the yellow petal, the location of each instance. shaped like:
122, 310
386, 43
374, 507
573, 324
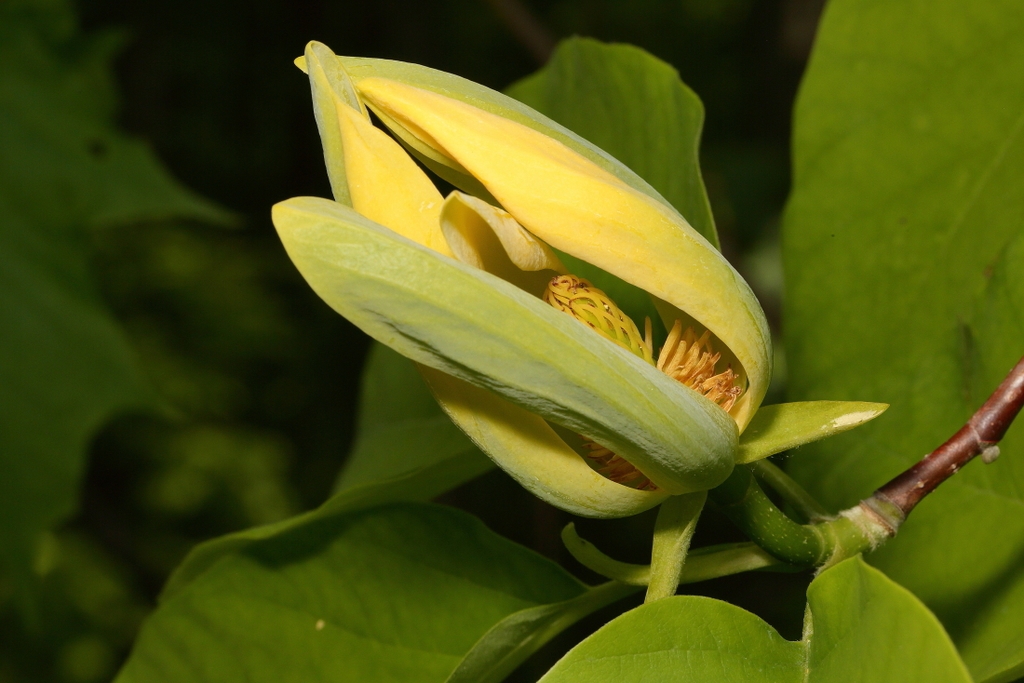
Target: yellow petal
526, 447
332, 89
571, 203
387, 186
490, 239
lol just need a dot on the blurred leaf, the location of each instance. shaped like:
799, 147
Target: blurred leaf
401, 428
783, 426
909, 164
420, 484
392, 594
65, 366
635, 107
860, 624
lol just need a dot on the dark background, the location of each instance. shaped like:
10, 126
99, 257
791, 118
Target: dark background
258, 376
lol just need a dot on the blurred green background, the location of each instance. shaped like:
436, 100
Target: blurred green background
255, 377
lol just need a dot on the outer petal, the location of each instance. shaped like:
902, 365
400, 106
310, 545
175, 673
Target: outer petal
369, 171
478, 328
358, 68
580, 208
331, 88
526, 447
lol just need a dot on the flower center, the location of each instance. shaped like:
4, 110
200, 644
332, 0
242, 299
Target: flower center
692, 361
591, 306
686, 358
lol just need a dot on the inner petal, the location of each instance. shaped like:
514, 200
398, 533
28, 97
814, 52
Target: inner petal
489, 238
386, 185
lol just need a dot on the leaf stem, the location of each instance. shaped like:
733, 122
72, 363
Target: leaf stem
702, 564
794, 494
587, 554
673, 530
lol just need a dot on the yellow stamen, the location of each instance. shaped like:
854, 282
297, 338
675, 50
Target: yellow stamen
691, 361
684, 357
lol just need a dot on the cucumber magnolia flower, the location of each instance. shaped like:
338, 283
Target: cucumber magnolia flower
455, 284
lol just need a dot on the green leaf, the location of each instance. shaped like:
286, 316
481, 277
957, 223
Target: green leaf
788, 425
401, 428
65, 366
859, 626
908, 168
457, 319
862, 621
420, 484
399, 593
991, 642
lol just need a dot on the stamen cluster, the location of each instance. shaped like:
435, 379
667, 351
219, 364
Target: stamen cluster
692, 361
589, 305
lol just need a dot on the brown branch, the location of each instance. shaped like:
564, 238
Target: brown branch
978, 437
530, 33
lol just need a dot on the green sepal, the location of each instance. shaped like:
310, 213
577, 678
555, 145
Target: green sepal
783, 426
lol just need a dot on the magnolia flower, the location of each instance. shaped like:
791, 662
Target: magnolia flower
579, 408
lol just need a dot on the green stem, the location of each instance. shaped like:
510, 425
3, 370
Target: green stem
587, 554
741, 499
673, 530
702, 564
794, 494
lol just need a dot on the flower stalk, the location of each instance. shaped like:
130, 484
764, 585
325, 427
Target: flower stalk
673, 531
867, 525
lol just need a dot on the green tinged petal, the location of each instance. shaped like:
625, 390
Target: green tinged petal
531, 452
331, 89
474, 326
580, 208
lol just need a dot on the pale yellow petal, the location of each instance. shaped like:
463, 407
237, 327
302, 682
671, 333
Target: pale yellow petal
526, 447
490, 239
386, 185
577, 207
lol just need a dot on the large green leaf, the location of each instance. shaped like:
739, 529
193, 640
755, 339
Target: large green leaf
65, 366
908, 169
401, 428
859, 626
399, 593
989, 633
